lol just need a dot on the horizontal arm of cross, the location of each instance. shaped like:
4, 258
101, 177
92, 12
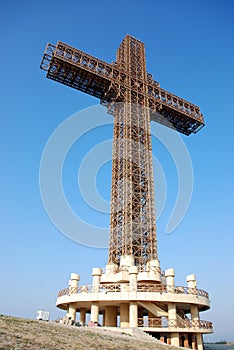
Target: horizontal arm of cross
105, 81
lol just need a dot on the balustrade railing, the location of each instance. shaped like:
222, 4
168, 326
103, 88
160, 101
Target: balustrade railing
111, 287
125, 287
143, 268
158, 288
155, 269
102, 288
164, 323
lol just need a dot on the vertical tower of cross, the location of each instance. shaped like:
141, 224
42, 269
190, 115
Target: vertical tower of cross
134, 98
133, 221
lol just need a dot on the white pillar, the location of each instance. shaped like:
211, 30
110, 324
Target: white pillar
194, 312
72, 312
73, 288
192, 283
170, 274
172, 316
195, 315
199, 341
126, 260
111, 269
94, 312
133, 314
74, 283
175, 339
191, 280
154, 265
82, 316
96, 273
124, 315
133, 272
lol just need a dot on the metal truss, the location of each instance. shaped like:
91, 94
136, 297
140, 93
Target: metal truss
134, 98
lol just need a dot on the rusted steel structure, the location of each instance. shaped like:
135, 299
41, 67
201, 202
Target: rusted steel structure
132, 286
134, 98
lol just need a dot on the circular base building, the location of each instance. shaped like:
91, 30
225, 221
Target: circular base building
128, 296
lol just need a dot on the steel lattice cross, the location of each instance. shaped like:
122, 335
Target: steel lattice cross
134, 98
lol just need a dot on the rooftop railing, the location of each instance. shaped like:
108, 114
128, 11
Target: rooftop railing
141, 288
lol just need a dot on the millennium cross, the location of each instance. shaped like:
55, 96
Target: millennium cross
134, 98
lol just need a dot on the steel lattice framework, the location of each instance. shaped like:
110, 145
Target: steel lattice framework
134, 98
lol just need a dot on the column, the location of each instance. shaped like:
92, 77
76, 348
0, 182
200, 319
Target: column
82, 316
111, 316
170, 275
162, 338
133, 272
71, 314
191, 281
94, 312
73, 289
175, 339
74, 283
194, 342
96, 273
124, 315
111, 269
186, 342
172, 316
199, 341
126, 260
194, 315
133, 313
154, 266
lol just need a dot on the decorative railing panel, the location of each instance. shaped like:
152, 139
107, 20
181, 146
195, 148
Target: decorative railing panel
119, 287
164, 323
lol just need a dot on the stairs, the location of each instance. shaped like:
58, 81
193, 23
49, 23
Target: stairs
160, 309
153, 308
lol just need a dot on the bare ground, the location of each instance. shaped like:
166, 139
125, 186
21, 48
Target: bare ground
23, 334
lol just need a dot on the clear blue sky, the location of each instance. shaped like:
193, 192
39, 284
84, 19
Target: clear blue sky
189, 47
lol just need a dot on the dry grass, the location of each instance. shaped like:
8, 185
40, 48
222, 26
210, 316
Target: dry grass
22, 334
